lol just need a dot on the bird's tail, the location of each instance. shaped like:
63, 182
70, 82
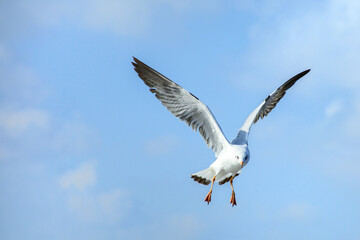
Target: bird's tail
204, 176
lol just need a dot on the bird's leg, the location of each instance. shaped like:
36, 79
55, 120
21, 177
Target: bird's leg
208, 196
232, 199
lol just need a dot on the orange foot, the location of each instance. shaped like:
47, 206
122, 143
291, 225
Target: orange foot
233, 200
208, 198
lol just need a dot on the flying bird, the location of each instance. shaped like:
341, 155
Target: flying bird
231, 157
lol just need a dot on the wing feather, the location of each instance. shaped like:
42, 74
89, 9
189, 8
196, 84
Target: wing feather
265, 108
184, 105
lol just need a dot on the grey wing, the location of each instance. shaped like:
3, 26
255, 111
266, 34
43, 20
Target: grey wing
183, 105
265, 107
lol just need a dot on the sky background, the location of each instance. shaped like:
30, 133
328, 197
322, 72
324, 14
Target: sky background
87, 152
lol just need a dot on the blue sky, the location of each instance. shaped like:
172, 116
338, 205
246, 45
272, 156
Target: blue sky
87, 152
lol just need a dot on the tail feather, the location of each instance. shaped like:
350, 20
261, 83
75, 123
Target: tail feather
225, 178
204, 176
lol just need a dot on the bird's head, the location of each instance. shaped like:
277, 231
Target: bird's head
242, 155
246, 159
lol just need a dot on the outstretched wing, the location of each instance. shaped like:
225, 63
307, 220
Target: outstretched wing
183, 105
265, 107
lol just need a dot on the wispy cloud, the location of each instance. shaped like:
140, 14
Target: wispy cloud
108, 207
19, 85
296, 42
298, 211
3, 53
351, 123
333, 108
28, 126
16, 122
31, 131
161, 145
115, 204
80, 178
121, 17
74, 137
89, 204
184, 227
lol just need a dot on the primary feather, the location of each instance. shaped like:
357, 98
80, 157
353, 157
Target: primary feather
183, 105
265, 108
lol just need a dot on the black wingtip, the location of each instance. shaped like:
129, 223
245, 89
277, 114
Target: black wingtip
296, 77
304, 72
136, 61
137, 64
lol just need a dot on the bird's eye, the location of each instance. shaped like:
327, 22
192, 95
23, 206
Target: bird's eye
237, 157
246, 157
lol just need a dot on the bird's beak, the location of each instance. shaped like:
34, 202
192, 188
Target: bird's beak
242, 163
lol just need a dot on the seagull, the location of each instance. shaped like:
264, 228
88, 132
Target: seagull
230, 157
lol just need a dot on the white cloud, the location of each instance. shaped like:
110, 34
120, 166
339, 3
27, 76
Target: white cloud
184, 227
122, 17
323, 38
298, 211
83, 206
87, 203
3, 52
351, 125
74, 137
31, 131
80, 178
108, 207
333, 108
346, 168
161, 145
16, 122
26, 128
19, 85
108, 200
114, 204
188, 5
